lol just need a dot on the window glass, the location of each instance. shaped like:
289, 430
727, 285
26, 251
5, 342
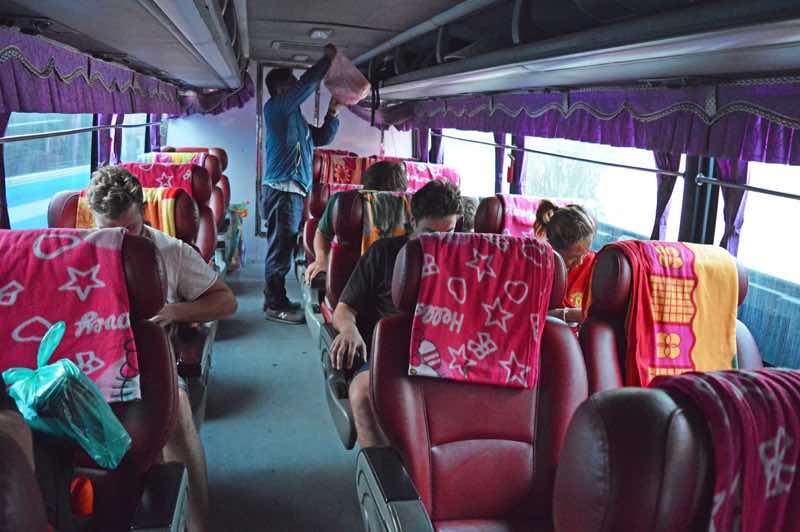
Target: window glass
133, 138
474, 162
37, 169
623, 200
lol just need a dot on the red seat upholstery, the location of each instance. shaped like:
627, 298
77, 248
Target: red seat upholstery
635, 459
489, 216
225, 185
603, 337
345, 248
481, 457
21, 505
193, 224
217, 206
315, 204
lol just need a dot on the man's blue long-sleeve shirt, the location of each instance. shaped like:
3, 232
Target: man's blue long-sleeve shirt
290, 140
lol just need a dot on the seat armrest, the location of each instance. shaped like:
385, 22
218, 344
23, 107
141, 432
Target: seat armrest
336, 390
326, 335
318, 282
163, 501
389, 501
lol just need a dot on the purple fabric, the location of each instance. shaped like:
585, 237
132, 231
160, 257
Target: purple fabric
734, 202
754, 120
219, 101
104, 139
423, 145
436, 153
499, 162
665, 185
5, 223
77, 83
520, 165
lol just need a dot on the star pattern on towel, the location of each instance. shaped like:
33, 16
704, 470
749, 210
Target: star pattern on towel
164, 180
484, 347
772, 454
9, 293
78, 281
88, 362
459, 360
482, 264
515, 370
492, 312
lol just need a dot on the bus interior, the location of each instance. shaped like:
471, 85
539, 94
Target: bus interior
672, 125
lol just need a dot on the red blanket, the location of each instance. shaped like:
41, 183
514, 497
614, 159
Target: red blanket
419, 174
481, 308
163, 175
754, 421
72, 276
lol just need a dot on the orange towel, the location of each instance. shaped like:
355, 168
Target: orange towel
385, 214
159, 210
682, 313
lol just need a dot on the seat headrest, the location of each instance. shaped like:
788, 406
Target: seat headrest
192, 178
63, 209
489, 216
632, 457
347, 215
145, 277
611, 281
408, 271
318, 199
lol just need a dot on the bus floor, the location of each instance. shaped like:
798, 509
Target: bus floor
275, 462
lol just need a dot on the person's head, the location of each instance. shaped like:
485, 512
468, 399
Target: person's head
116, 199
570, 230
436, 207
469, 206
279, 80
386, 176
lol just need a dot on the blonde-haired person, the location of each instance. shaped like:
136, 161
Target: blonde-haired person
570, 231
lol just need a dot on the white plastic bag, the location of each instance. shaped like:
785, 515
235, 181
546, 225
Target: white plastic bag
346, 84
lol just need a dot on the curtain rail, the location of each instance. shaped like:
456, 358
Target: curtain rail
701, 179
570, 157
65, 132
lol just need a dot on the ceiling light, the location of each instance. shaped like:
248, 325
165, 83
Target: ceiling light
300, 58
320, 34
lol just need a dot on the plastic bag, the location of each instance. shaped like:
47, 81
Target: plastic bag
59, 399
346, 84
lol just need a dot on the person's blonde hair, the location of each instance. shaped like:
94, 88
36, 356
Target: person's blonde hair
113, 190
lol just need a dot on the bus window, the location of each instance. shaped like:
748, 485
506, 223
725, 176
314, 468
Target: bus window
37, 169
473, 162
133, 138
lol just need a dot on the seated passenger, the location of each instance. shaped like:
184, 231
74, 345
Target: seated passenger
382, 176
570, 230
469, 206
194, 293
367, 298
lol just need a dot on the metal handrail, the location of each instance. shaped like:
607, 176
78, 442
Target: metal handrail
570, 157
701, 180
65, 132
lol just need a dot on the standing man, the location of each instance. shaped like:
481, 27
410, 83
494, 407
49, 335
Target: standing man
290, 145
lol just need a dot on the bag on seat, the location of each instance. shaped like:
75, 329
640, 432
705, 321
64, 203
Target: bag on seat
59, 399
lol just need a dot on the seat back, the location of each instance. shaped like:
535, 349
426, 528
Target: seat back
217, 206
193, 224
477, 454
635, 459
603, 335
345, 251
225, 185
192, 178
21, 504
510, 213
208, 161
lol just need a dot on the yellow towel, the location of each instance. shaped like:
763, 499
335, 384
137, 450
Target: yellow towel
159, 210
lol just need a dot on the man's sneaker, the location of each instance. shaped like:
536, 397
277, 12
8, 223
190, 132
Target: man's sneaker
287, 305
285, 315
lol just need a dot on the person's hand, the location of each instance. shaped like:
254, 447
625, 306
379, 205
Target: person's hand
330, 51
166, 316
334, 107
345, 347
313, 269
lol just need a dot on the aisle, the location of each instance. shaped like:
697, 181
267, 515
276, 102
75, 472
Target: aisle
274, 460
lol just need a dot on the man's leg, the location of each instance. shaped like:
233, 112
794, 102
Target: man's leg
185, 446
369, 434
283, 211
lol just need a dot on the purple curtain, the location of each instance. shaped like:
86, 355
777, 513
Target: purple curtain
499, 161
116, 139
733, 201
665, 185
104, 140
422, 149
155, 133
5, 223
436, 153
520, 165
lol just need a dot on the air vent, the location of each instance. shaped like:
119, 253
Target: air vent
291, 46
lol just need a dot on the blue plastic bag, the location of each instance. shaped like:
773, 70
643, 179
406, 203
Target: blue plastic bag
59, 399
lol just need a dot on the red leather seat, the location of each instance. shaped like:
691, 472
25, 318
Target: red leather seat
602, 335
21, 504
193, 224
490, 215
225, 185
217, 206
635, 459
345, 248
480, 457
315, 204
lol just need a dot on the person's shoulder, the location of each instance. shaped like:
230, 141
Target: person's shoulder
163, 241
389, 246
